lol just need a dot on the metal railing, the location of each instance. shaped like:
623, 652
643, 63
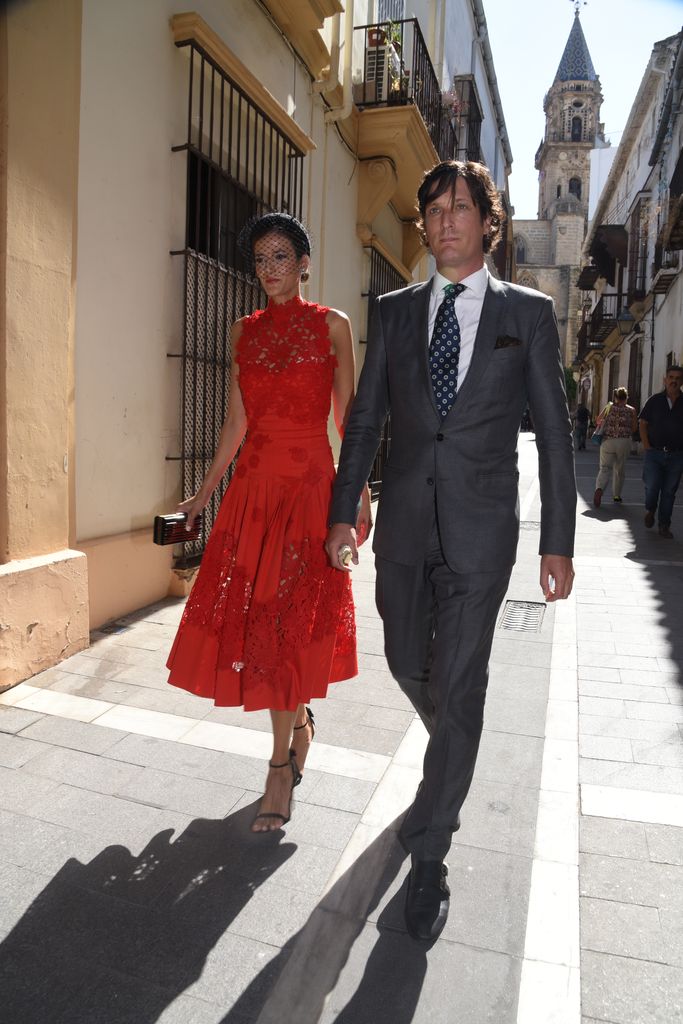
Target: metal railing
397, 69
637, 253
604, 318
468, 118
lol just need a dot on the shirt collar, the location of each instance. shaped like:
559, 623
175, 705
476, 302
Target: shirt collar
477, 282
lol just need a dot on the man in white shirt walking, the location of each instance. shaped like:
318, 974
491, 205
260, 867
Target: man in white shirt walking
455, 360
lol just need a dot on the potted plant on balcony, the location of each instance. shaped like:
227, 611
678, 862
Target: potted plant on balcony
376, 36
394, 35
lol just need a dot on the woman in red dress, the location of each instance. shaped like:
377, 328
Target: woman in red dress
269, 623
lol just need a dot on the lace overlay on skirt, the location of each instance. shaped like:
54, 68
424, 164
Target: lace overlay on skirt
269, 624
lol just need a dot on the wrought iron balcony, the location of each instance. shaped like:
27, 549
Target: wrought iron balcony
665, 270
396, 69
603, 319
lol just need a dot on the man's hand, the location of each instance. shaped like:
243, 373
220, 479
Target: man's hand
338, 535
557, 577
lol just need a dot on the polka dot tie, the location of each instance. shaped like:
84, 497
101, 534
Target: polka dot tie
444, 350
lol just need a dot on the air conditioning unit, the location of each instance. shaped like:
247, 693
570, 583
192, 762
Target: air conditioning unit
382, 66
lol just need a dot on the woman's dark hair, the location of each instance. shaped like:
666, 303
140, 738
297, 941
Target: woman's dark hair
442, 178
620, 394
273, 223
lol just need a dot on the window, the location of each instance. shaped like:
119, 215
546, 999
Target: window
575, 187
577, 129
528, 280
469, 119
637, 251
389, 10
520, 251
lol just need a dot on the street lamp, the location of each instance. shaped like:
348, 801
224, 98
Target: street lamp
626, 322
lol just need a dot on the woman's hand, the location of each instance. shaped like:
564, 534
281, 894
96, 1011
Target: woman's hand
192, 507
364, 520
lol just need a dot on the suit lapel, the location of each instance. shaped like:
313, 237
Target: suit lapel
492, 312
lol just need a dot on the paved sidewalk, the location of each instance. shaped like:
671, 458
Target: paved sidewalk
131, 890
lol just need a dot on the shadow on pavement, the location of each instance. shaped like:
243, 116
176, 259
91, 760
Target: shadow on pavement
393, 967
117, 940
662, 559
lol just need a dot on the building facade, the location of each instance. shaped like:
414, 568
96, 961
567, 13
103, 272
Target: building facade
548, 249
632, 324
137, 140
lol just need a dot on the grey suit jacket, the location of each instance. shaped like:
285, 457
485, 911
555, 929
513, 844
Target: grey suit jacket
467, 462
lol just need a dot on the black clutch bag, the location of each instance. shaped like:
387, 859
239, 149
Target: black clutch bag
171, 529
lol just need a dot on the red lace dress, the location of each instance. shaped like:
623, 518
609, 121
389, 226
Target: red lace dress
269, 623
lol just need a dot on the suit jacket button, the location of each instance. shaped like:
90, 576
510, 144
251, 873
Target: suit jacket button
430, 480
439, 437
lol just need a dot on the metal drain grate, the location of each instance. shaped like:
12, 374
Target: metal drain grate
524, 616
529, 524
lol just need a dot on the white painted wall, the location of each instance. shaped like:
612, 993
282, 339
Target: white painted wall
601, 161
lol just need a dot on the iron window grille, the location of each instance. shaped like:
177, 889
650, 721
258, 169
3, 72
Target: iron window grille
469, 118
637, 252
239, 165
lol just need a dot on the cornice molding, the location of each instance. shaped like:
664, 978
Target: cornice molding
301, 20
191, 27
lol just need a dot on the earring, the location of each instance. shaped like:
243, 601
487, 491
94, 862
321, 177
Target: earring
305, 276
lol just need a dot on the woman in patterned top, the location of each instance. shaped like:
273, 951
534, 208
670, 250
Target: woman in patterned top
619, 422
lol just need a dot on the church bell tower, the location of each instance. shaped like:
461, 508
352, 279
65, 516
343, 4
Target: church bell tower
572, 130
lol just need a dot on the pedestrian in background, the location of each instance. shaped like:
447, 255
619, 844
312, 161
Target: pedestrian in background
618, 426
582, 420
661, 433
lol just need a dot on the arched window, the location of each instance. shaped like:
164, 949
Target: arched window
559, 191
528, 280
520, 251
577, 129
575, 187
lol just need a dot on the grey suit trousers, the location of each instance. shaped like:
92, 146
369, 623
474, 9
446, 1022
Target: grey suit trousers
438, 631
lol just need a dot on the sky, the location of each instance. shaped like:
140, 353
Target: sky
526, 53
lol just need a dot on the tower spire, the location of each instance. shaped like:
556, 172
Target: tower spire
576, 63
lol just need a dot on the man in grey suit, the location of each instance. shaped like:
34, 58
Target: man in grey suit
455, 360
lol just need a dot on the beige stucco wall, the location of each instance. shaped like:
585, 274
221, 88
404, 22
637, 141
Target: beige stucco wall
130, 303
43, 584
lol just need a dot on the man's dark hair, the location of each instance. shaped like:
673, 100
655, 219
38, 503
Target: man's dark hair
674, 369
442, 178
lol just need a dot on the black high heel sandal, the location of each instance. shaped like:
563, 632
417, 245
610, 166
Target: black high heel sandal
296, 779
310, 720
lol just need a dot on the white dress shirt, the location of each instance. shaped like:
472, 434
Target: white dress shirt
467, 309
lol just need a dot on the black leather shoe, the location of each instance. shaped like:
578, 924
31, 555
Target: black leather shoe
427, 899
